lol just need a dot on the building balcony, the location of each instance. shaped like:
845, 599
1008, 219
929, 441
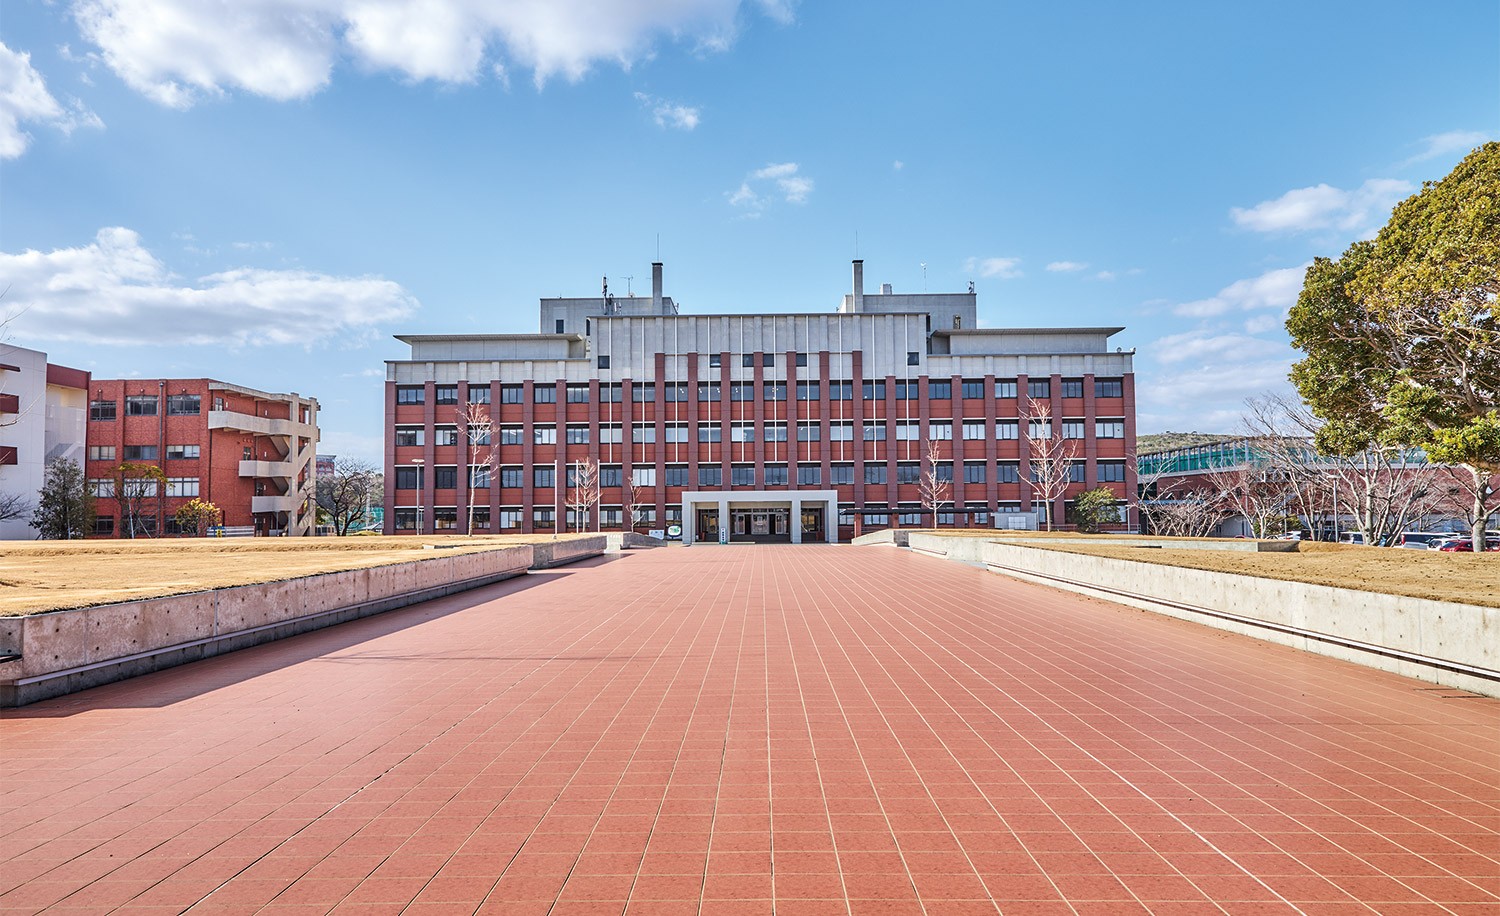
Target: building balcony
288, 503
260, 426
274, 469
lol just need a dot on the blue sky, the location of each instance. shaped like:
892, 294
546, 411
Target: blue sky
191, 188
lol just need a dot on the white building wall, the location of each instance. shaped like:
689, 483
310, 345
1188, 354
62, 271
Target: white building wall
25, 430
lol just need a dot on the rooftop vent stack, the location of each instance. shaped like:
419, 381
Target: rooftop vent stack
859, 286
656, 287
885, 289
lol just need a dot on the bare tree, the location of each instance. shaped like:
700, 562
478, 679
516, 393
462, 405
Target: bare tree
935, 490
1051, 457
477, 430
583, 490
14, 505
132, 484
347, 494
637, 498
1255, 489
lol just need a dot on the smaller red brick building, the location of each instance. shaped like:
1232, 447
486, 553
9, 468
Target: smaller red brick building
249, 452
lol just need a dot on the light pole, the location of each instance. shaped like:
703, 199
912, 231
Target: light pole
419, 462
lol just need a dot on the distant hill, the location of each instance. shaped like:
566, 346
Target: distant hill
1156, 442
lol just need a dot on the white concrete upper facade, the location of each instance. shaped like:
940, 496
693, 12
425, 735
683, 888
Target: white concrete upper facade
49, 423
900, 335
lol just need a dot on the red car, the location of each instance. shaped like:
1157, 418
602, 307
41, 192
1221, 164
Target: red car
1467, 546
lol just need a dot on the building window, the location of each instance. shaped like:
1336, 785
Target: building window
910, 519
1007, 429
544, 435
445, 394
1072, 387
480, 516
677, 476
1111, 472
1073, 429
973, 389
1008, 473
140, 405
512, 394
543, 478
510, 435
841, 475
807, 391
479, 477
809, 432
939, 391
178, 452
973, 429
908, 430
406, 478
559, 326
611, 433
776, 475
913, 358
943, 471
809, 475
801, 359
611, 394
768, 360
772, 391
643, 432
445, 518
184, 405
675, 392
578, 435
1075, 472
445, 435
979, 514
873, 391
247, 453
603, 362
908, 472
1005, 390
939, 432
675, 432
841, 432
445, 478
140, 453
643, 477
708, 392
1039, 390
907, 391
104, 525
609, 475
102, 487
840, 391
742, 432
714, 360
145, 524
1109, 429
643, 392
101, 410
542, 517
479, 395
509, 518
578, 394
875, 432
875, 473
974, 472
741, 391
410, 394
408, 436
742, 476
107, 452
775, 432
1039, 429
478, 436
611, 517
406, 519
182, 486
1109, 388
710, 476
709, 432
544, 394
512, 478
747, 360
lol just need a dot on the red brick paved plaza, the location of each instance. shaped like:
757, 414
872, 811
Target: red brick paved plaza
756, 730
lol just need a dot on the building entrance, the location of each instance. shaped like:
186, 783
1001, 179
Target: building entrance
760, 524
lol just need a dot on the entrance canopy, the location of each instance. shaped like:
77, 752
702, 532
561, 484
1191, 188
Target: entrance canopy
707, 513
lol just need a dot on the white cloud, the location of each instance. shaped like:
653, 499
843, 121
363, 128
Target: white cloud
1274, 289
1004, 268
115, 291
1104, 275
1211, 397
1259, 324
898, 165
24, 99
1063, 267
670, 114
1453, 141
1210, 349
178, 51
1325, 207
793, 187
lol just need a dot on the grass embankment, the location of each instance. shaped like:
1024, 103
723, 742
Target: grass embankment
1467, 578
41, 576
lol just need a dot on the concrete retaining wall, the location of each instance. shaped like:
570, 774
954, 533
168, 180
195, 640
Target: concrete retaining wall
630, 540
1456, 645
65, 651
567, 550
897, 536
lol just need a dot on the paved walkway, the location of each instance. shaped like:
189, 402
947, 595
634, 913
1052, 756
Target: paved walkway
749, 730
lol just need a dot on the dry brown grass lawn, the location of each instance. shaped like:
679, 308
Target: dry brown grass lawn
1467, 578
41, 576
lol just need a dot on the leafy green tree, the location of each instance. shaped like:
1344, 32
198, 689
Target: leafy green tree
1402, 334
65, 506
197, 515
1096, 507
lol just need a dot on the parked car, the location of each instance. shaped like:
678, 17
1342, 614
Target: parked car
1466, 545
1351, 537
1420, 540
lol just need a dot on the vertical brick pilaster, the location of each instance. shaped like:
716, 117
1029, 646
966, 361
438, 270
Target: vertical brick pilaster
991, 449
659, 447
1132, 512
923, 407
494, 413
692, 433
1023, 439
758, 412
528, 451
1090, 443
892, 449
825, 444
560, 476
793, 414
960, 518
1055, 390
857, 380
429, 453
594, 450
726, 411
627, 447
462, 461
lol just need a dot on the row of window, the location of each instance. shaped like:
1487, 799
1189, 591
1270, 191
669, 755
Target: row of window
104, 487
104, 525
907, 472
840, 431
448, 518
146, 405
142, 452
645, 392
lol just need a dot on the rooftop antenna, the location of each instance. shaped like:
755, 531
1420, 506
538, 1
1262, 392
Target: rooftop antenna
627, 287
924, 276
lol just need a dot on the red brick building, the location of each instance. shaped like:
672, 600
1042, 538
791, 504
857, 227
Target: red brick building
796, 426
249, 452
